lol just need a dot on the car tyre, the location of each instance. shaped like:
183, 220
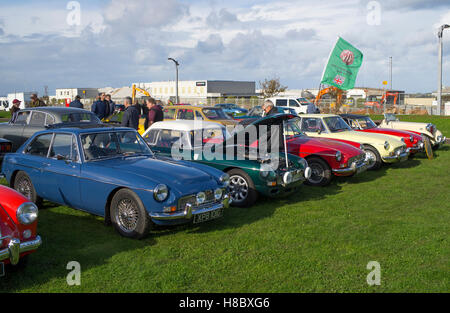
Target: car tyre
320, 172
428, 148
377, 162
128, 215
23, 184
243, 192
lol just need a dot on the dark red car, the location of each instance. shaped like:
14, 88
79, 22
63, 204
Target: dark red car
363, 123
18, 224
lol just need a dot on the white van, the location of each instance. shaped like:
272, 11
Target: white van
300, 105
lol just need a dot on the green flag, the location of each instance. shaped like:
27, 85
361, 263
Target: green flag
343, 65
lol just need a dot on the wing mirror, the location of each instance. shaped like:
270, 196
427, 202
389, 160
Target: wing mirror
319, 131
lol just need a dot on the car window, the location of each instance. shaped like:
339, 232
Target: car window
151, 136
37, 119
49, 120
40, 145
336, 124
312, 125
169, 113
281, 103
185, 114
293, 103
22, 118
215, 114
168, 137
64, 145
207, 135
198, 115
79, 117
256, 111
352, 123
366, 123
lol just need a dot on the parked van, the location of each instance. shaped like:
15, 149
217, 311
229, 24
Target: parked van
300, 105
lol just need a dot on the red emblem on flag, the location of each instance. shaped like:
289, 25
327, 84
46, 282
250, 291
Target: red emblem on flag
339, 80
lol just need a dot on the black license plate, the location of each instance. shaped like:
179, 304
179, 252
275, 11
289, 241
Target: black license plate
203, 217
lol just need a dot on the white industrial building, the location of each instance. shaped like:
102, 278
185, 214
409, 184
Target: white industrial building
195, 91
71, 93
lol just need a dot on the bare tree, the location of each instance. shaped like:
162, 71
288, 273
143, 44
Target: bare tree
271, 87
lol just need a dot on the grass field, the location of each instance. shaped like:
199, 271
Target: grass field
319, 240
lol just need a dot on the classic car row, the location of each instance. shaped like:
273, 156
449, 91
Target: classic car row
183, 170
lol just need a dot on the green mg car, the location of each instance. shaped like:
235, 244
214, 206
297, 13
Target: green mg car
251, 172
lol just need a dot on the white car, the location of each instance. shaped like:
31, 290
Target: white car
300, 105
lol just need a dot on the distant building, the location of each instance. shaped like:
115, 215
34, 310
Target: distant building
196, 91
71, 93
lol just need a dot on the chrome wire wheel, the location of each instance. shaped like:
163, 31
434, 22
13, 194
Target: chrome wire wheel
127, 216
25, 188
317, 173
371, 158
239, 188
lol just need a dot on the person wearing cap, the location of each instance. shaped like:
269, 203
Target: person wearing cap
36, 102
15, 110
76, 103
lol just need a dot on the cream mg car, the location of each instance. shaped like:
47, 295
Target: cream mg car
428, 131
379, 148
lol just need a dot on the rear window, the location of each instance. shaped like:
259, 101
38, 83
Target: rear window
215, 114
79, 117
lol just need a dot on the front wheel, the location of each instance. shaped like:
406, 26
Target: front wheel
428, 148
320, 172
22, 184
243, 193
128, 215
373, 158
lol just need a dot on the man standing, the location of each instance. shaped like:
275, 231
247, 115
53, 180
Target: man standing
130, 117
76, 103
269, 108
155, 113
14, 110
100, 107
36, 102
112, 105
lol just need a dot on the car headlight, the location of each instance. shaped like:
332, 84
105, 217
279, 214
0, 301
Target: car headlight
386, 145
225, 179
218, 193
402, 139
429, 127
200, 197
27, 213
161, 192
287, 178
338, 156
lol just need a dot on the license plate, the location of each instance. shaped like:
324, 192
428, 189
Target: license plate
203, 217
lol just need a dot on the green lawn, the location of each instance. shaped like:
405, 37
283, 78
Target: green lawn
319, 240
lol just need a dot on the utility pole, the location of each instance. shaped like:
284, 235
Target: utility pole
440, 106
390, 73
176, 67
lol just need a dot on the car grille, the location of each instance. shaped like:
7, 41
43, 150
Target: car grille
209, 201
357, 159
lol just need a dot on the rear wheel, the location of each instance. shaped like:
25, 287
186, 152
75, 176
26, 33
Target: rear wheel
22, 184
243, 193
373, 158
428, 148
128, 215
320, 172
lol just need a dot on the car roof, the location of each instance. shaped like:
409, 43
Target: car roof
318, 115
353, 116
58, 110
185, 125
190, 107
100, 128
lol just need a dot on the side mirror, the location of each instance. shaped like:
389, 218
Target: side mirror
319, 131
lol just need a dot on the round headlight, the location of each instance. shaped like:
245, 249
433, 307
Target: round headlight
287, 178
429, 128
218, 193
27, 213
411, 138
338, 156
201, 197
402, 139
161, 192
308, 172
386, 145
225, 179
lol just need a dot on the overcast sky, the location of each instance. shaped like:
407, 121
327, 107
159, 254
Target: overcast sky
115, 43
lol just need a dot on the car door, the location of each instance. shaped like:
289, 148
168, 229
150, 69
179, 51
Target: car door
62, 170
14, 131
36, 123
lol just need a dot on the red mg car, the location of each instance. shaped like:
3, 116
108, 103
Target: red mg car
18, 223
364, 123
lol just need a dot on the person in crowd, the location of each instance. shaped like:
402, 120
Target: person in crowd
36, 102
76, 103
155, 113
14, 110
269, 108
130, 117
312, 109
112, 105
100, 107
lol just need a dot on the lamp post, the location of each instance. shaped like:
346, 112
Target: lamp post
176, 67
441, 109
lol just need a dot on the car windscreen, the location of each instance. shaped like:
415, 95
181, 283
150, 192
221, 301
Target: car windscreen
80, 117
292, 129
215, 114
336, 124
208, 135
105, 145
366, 123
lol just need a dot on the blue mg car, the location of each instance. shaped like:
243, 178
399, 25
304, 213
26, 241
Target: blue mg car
111, 172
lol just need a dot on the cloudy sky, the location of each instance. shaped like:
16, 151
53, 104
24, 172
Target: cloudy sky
115, 42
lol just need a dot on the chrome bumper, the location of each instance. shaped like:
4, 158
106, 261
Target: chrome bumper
400, 158
189, 212
16, 248
417, 148
354, 168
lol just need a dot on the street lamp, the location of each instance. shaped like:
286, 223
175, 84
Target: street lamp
176, 67
441, 109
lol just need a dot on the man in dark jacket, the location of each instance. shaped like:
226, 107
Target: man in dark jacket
101, 107
15, 110
269, 108
36, 102
112, 105
155, 113
130, 117
76, 103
